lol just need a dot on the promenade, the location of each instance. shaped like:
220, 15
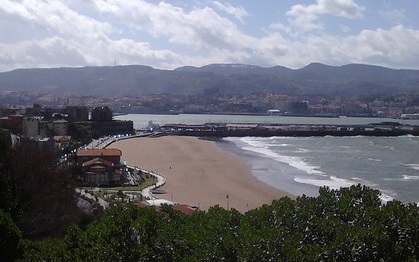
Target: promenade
146, 193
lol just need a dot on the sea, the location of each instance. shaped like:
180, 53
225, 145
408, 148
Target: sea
300, 165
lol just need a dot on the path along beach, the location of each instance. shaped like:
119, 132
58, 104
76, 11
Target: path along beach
198, 172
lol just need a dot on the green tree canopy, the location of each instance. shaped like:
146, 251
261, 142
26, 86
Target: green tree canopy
39, 195
11, 242
350, 224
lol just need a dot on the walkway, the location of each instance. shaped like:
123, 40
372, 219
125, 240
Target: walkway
146, 192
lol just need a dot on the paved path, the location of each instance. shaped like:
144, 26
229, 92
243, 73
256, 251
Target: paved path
146, 192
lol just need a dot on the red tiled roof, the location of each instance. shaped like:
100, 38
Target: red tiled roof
98, 161
99, 152
184, 209
141, 204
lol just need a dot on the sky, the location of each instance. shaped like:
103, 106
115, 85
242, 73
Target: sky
170, 34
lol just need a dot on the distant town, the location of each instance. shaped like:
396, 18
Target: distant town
62, 123
212, 101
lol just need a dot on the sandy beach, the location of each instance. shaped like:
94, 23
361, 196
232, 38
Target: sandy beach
198, 172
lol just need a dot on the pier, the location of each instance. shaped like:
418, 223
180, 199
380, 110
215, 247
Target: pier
295, 130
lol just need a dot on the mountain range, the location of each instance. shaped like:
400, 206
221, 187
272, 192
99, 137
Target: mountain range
117, 81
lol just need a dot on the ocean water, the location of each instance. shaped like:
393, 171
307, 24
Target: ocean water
300, 165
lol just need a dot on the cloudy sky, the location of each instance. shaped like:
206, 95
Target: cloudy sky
169, 34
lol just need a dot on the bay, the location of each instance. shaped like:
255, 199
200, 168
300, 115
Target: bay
300, 165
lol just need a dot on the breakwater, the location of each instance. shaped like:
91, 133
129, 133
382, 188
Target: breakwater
389, 129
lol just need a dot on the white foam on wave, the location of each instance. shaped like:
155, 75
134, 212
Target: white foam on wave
406, 177
262, 148
333, 182
283, 138
385, 198
336, 183
385, 195
403, 178
412, 166
374, 159
411, 138
280, 145
303, 150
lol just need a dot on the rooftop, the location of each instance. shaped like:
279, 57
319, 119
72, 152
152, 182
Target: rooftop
98, 152
98, 161
186, 209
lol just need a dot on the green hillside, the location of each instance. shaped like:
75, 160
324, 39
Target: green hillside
348, 80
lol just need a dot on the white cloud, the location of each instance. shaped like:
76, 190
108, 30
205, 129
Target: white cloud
65, 37
238, 12
49, 52
127, 51
54, 16
340, 8
201, 28
392, 48
305, 17
15, 8
97, 32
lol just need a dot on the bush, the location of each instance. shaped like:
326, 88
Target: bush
10, 238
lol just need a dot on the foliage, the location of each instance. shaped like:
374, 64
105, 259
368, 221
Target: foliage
11, 242
350, 224
39, 195
79, 133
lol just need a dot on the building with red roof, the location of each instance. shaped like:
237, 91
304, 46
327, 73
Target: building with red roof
186, 209
110, 154
101, 167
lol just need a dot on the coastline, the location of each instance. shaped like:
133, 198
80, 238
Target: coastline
265, 167
198, 172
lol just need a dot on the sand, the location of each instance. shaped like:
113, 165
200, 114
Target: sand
198, 172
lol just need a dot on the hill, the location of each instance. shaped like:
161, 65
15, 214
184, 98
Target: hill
315, 78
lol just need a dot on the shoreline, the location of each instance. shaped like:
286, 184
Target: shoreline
266, 168
198, 172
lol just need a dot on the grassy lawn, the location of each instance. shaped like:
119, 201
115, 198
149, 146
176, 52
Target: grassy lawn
148, 182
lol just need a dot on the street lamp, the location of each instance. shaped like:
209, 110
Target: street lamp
228, 204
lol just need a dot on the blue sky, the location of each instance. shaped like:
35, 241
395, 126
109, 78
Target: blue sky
169, 34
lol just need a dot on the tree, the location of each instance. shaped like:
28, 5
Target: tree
11, 242
350, 224
39, 195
